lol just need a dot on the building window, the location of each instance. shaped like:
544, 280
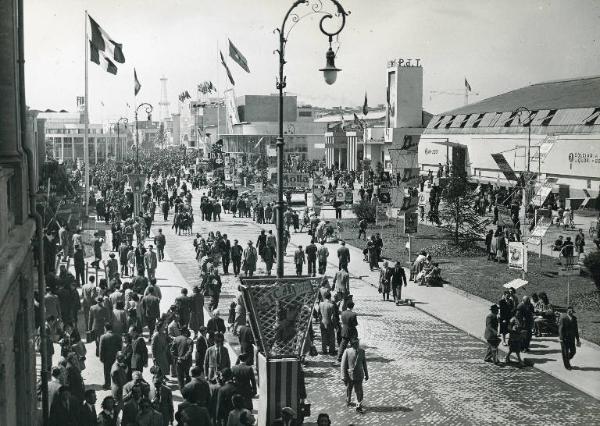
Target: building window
478, 120
464, 122
546, 121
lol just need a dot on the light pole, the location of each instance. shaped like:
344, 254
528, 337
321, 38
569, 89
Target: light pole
123, 120
519, 111
329, 73
149, 109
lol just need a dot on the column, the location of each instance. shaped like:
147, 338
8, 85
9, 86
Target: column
95, 150
62, 148
340, 159
73, 148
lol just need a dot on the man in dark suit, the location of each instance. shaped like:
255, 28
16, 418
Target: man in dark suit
198, 389
341, 281
568, 334
201, 347
131, 407
491, 335
397, 278
343, 256
224, 394
311, 257
183, 304
246, 343
243, 375
73, 378
88, 410
150, 307
349, 324
182, 349
99, 315
326, 312
110, 345
191, 413
139, 357
65, 410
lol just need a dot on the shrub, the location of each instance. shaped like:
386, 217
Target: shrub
364, 210
592, 263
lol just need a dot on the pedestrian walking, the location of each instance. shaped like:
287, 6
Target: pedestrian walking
99, 315
139, 351
161, 241
398, 277
79, 263
161, 398
216, 359
225, 250
249, 259
118, 376
236, 257
342, 280
568, 334
196, 310
108, 415
299, 260
151, 262
491, 335
110, 345
343, 256
268, 258
182, 349
354, 372
159, 347
150, 309
311, 258
212, 285
349, 331
243, 376
322, 255
326, 316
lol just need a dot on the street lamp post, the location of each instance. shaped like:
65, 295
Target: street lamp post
149, 109
123, 120
525, 201
329, 73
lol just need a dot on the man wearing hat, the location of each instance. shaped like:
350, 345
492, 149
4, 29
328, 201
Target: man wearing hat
151, 262
112, 266
79, 263
236, 257
491, 335
250, 258
354, 371
568, 333
243, 373
288, 418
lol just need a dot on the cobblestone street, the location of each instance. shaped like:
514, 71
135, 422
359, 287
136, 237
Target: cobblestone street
422, 370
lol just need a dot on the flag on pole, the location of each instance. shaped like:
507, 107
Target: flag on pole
102, 60
227, 69
358, 122
104, 51
136, 83
467, 85
342, 117
237, 56
365, 106
184, 95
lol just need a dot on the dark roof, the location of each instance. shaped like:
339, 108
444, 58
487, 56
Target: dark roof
561, 94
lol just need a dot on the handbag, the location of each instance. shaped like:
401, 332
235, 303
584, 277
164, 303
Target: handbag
90, 336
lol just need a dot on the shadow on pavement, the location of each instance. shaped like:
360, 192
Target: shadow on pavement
388, 409
585, 368
379, 359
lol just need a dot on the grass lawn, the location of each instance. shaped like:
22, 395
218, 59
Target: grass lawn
483, 278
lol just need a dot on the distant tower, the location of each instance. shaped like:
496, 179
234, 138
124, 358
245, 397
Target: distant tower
164, 102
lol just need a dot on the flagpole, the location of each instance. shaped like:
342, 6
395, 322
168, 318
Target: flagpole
86, 150
218, 96
466, 94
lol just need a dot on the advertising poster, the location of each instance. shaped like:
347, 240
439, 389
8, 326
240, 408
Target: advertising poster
411, 222
517, 256
340, 195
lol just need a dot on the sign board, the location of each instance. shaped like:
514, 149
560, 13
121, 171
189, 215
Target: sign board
411, 222
355, 196
340, 195
258, 187
516, 283
317, 196
539, 231
381, 213
505, 168
292, 180
279, 311
310, 201
349, 197
517, 256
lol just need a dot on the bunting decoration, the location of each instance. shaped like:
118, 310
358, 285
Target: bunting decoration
227, 69
467, 85
365, 106
206, 87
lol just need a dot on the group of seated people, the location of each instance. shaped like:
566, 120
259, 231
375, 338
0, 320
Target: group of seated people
425, 272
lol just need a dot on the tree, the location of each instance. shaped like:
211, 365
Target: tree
457, 212
161, 136
365, 210
592, 263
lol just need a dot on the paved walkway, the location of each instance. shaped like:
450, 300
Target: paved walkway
467, 313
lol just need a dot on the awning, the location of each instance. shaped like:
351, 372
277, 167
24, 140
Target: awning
451, 144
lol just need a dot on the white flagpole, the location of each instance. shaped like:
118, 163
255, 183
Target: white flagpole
466, 93
218, 96
86, 152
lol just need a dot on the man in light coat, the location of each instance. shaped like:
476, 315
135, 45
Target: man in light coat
151, 262
354, 372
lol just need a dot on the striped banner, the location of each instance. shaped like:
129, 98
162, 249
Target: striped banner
278, 387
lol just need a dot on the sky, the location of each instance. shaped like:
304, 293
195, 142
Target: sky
496, 45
